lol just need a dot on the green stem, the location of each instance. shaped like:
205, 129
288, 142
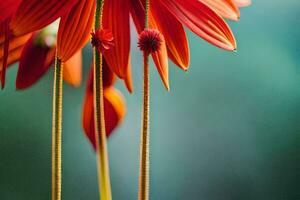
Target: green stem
102, 154
56, 130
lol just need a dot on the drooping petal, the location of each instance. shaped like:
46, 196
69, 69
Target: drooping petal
15, 49
33, 15
203, 21
8, 7
161, 61
128, 79
15, 42
13, 56
34, 62
161, 57
116, 19
10, 51
242, 3
114, 110
73, 70
226, 8
6, 36
75, 28
176, 40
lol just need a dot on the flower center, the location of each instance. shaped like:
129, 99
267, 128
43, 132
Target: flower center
150, 41
102, 40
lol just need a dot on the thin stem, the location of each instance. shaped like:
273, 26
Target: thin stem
100, 133
56, 130
145, 137
144, 152
147, 4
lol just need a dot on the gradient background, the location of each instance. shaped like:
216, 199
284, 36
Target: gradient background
228, 130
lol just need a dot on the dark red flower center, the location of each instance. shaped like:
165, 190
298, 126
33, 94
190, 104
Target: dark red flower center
102, 40
150, 41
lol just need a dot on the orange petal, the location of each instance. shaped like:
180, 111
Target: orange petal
177, 43
116, 19
15, 42
128, 80
33, 15
114, 110
34, 63
15, 48
225, 8
242, 3
13, 56
75, 28
161, 61
73, 70
203, 21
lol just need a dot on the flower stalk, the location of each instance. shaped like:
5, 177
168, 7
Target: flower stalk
56, 129
144, 151
100, 132
143, 193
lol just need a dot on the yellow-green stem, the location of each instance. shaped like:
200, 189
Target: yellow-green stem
144, 151
101, 145
56, 130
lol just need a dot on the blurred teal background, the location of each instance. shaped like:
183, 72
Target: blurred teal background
229, 129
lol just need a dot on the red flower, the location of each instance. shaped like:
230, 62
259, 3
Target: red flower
102, 40
25, 16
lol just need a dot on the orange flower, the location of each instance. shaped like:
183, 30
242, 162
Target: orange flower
37, 52
201, 17
25, 16
75, 28
114, 107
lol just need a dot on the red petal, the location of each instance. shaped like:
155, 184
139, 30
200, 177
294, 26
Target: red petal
13, 56
8, 7
34, 63
73, 70
116, 19
109, 78
177, 43
75, 28
203, 21
33, 15
225, 8
7, 36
